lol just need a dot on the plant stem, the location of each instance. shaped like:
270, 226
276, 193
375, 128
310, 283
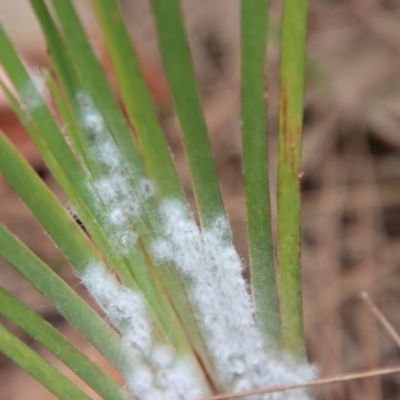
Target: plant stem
293, 50
255, 165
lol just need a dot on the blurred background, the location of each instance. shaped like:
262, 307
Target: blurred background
350, 185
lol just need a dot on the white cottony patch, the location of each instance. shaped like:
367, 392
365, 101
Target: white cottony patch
114, 189
127, 239
93, 122
175, 381
125, 309
107, 154
107, 189
162, 357
224, 307
179, 380
122, 206
118, 217
103, 148
216, 289
157, 372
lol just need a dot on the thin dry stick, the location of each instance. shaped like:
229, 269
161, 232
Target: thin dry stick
381, 318
318, 382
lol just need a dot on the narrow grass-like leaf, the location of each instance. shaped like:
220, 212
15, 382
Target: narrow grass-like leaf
137, 225
79, 198
179, 69
152, 144
293, 50
76, 245
163, 310
55, 342
37, 110
66, 301
94, 80
62, 162
89, 216
80, 49
138, 102
68, 118
150, 284
40, 369
69, 81
255, 164
50, 142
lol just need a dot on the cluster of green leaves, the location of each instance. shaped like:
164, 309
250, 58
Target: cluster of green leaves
76, 69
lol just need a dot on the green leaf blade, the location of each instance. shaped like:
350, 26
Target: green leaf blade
137, 99
65, 300
54, 218
178, 65
51, 339
255, 165
293, 50
136, 263
95, 82
40, 369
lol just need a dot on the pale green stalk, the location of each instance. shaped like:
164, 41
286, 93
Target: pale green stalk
293, 51
255, 165
39, 368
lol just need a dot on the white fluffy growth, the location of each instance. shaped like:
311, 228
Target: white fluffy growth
217, 290
125, 309
176, 381
224, 307
157, 372
115, 191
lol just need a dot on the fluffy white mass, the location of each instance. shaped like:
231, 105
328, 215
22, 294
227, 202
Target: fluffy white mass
216, 288
223, 304
125, 309
115, 192
157, 372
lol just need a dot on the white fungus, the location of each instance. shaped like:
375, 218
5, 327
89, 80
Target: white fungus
176, 381
114, 191
118, 217
224, 307
124, 308
93, 122
157, 373
107, 188
216, 289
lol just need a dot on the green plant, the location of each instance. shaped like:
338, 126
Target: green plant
184, 323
